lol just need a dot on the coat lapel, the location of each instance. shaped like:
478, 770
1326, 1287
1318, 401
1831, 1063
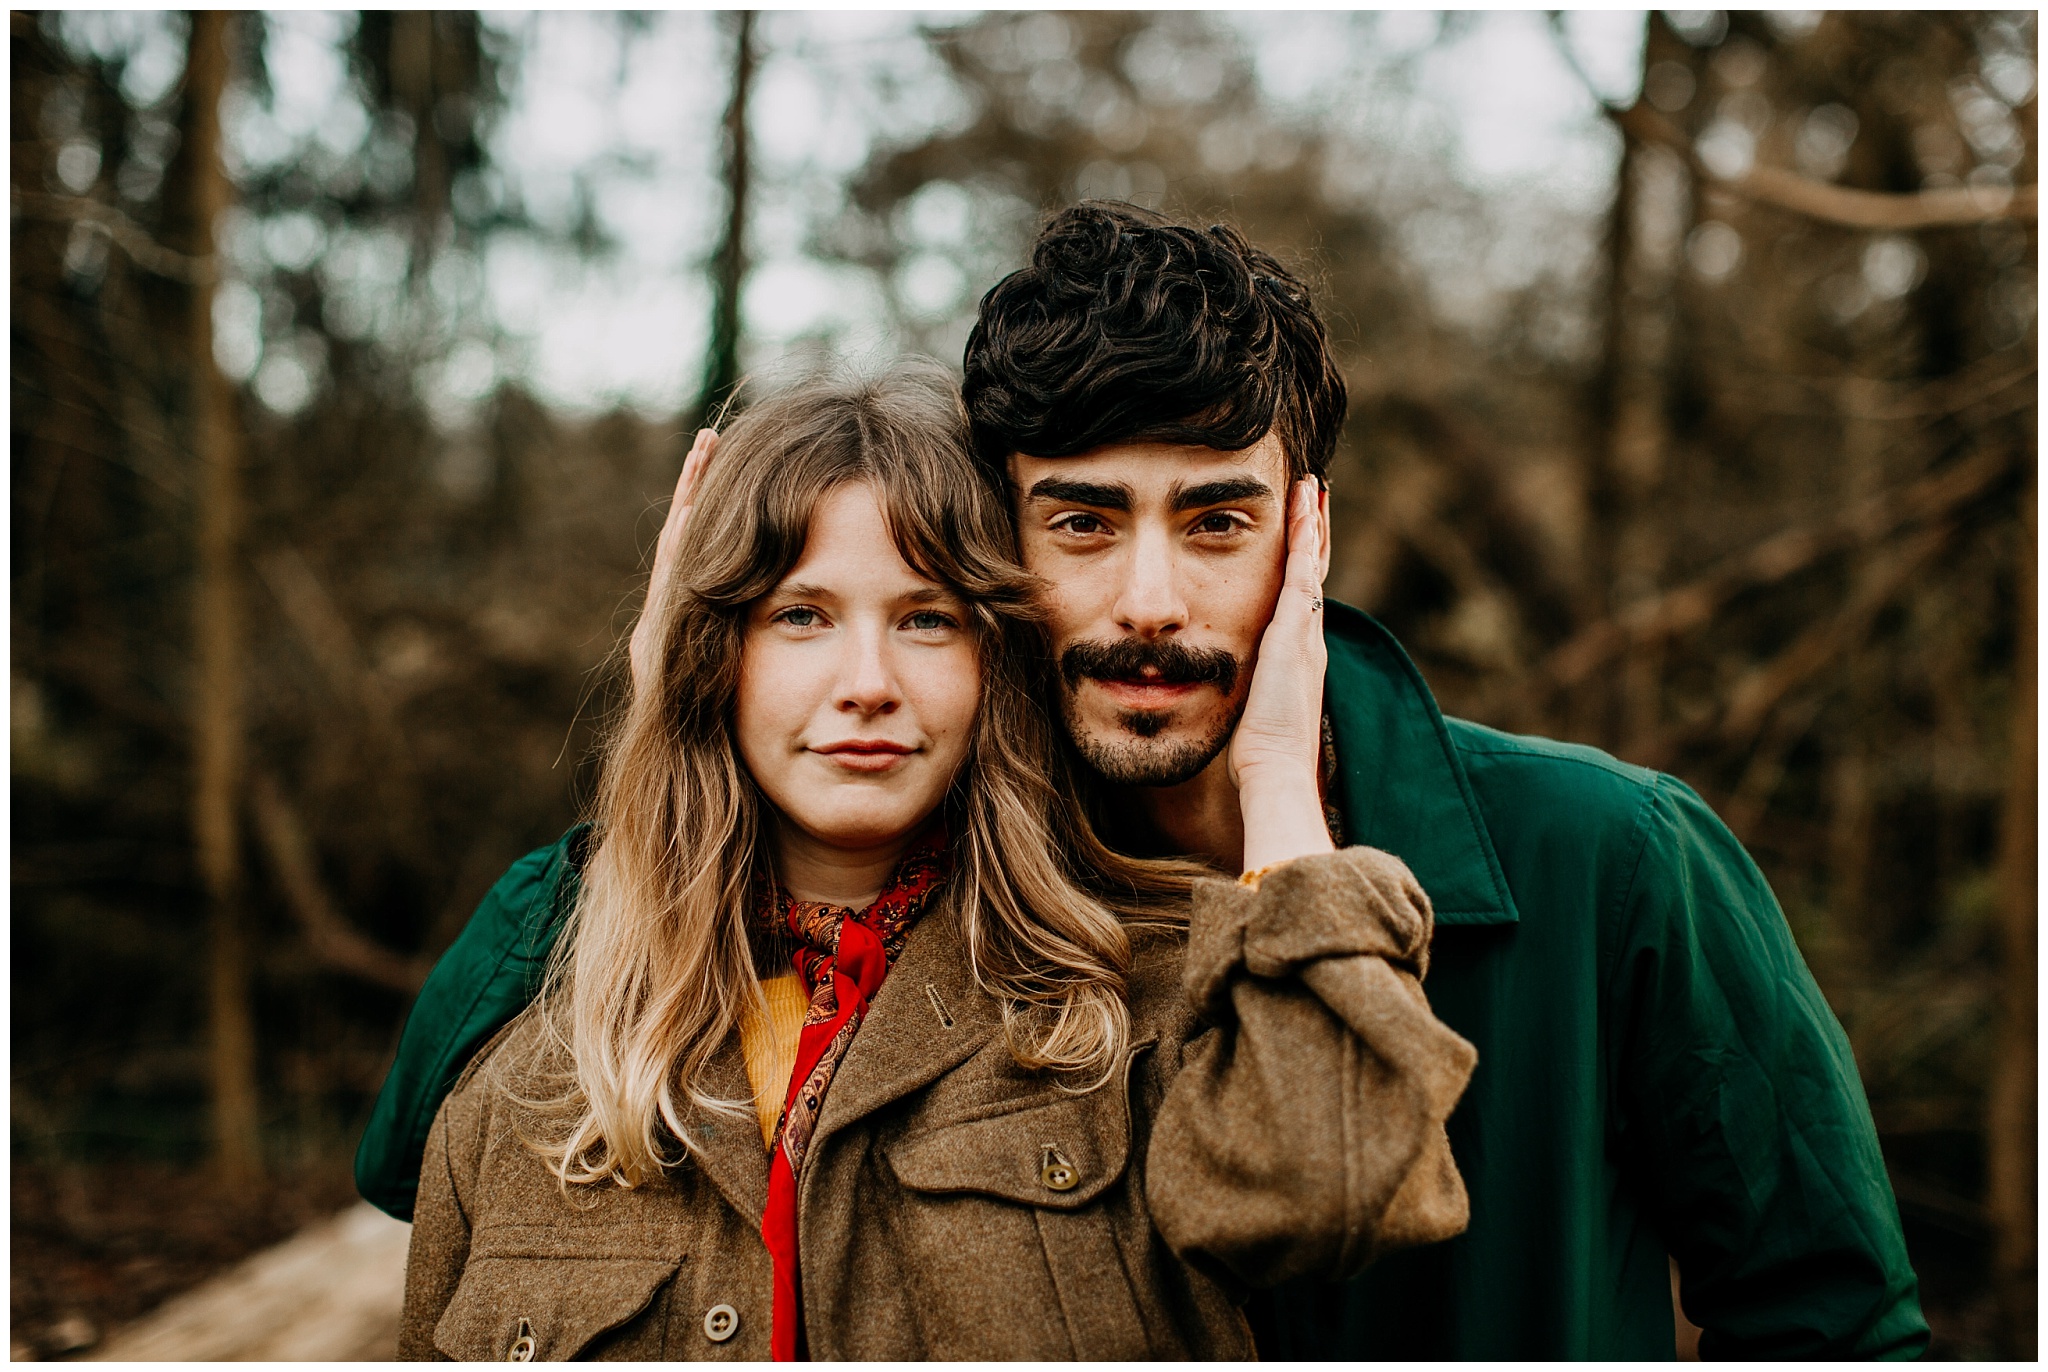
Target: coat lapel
728, 1147
1401, 785
928, 1017
904, 1043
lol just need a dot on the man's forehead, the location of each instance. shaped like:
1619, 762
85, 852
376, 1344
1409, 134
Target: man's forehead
1146, 466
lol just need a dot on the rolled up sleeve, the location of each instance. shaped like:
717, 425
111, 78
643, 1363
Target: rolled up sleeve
1304, 1135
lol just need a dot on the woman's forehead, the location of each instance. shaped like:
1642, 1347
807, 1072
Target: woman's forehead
850, 548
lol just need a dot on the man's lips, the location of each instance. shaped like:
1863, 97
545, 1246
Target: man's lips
865, 754
1141, 693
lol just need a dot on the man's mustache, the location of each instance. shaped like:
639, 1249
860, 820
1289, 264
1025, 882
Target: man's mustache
1171, 664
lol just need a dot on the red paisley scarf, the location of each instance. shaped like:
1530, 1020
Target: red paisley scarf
842, 956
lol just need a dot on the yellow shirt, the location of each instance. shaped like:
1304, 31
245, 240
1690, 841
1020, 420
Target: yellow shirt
769, 1044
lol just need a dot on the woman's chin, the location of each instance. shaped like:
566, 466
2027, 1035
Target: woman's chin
863, 829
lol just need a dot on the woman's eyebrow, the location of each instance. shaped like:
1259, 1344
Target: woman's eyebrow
800, 590
1224, 491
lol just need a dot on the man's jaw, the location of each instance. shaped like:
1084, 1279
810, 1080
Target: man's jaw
1145, 747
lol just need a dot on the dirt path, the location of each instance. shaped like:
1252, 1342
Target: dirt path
331, 1293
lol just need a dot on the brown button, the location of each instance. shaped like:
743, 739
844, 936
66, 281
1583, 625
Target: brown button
721, 1322
523, 1347
1057, 1174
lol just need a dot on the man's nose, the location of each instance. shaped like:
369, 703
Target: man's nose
867, 673
1149, 602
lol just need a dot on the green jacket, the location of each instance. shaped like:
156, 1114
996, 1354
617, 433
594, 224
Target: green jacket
1657, 1073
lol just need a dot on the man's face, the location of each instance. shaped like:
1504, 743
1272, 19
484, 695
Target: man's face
1165, 561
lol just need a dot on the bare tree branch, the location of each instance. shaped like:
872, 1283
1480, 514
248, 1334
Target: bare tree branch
1821, 200
1760, 690
1747, 804
325, 632
1688, 607
126, 234
328, 932
1831, 204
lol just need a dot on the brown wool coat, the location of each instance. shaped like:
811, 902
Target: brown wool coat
1280, 1113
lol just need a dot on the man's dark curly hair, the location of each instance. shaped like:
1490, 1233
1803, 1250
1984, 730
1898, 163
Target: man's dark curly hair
1128, 327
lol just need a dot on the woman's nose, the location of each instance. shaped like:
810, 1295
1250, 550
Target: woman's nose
867, 683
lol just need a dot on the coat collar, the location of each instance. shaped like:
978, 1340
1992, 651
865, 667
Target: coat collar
903, 1044
1400, 783
728, 1147
929, 1016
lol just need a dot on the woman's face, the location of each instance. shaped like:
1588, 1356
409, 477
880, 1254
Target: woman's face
859, 681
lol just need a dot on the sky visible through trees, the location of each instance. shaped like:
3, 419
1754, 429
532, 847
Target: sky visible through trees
606, 134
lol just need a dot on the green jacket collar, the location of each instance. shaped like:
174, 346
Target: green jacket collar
1400, 783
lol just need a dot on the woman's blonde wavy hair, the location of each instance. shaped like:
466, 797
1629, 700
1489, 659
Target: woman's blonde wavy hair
657, 963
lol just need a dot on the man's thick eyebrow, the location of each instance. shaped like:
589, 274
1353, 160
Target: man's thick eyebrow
1228, 490
1101, 495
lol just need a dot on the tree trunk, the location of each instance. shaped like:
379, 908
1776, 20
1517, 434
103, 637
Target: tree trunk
729, 264
219, 734
1585, 710
1626, 542
413, 90
2011, 1126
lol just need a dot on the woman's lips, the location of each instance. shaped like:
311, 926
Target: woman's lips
866, 755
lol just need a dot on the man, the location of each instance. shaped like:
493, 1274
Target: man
1658, 1073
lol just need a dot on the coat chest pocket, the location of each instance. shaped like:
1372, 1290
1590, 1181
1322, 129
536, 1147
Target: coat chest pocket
1060, 1154
1005, 1205
520, 1302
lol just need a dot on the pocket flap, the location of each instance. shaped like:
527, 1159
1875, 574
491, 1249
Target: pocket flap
1020, 1155
564, 1302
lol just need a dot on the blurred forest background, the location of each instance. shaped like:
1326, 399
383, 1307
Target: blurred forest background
354, 356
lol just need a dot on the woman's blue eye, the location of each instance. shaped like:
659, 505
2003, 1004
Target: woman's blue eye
929, 620
798, 617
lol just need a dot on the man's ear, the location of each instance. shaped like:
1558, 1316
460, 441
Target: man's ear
1322, 530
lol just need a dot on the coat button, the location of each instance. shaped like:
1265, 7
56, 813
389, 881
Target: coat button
1057, 1174
523, 1347
721, 1322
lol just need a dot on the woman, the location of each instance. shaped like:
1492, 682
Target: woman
860, 1045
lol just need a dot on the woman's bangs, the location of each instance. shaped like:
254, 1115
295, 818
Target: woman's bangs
918, 528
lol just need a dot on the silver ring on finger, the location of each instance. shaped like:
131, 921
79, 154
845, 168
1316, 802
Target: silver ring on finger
1315, 604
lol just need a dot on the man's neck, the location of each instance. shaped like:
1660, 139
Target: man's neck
1200, 817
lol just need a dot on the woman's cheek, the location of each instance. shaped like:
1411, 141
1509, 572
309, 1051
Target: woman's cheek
963, 704
766, 700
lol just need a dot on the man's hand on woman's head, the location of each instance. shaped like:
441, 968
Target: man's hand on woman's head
1277, 746
640, 650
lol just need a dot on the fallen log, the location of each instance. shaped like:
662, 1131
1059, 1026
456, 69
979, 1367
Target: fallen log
330, 1293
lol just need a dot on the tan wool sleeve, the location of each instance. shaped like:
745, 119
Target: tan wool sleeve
1304, 1136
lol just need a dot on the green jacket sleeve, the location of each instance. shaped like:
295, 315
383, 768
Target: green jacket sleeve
486, 977
1741, 1112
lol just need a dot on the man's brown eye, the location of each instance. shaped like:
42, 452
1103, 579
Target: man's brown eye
1216, 524
1083, 524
